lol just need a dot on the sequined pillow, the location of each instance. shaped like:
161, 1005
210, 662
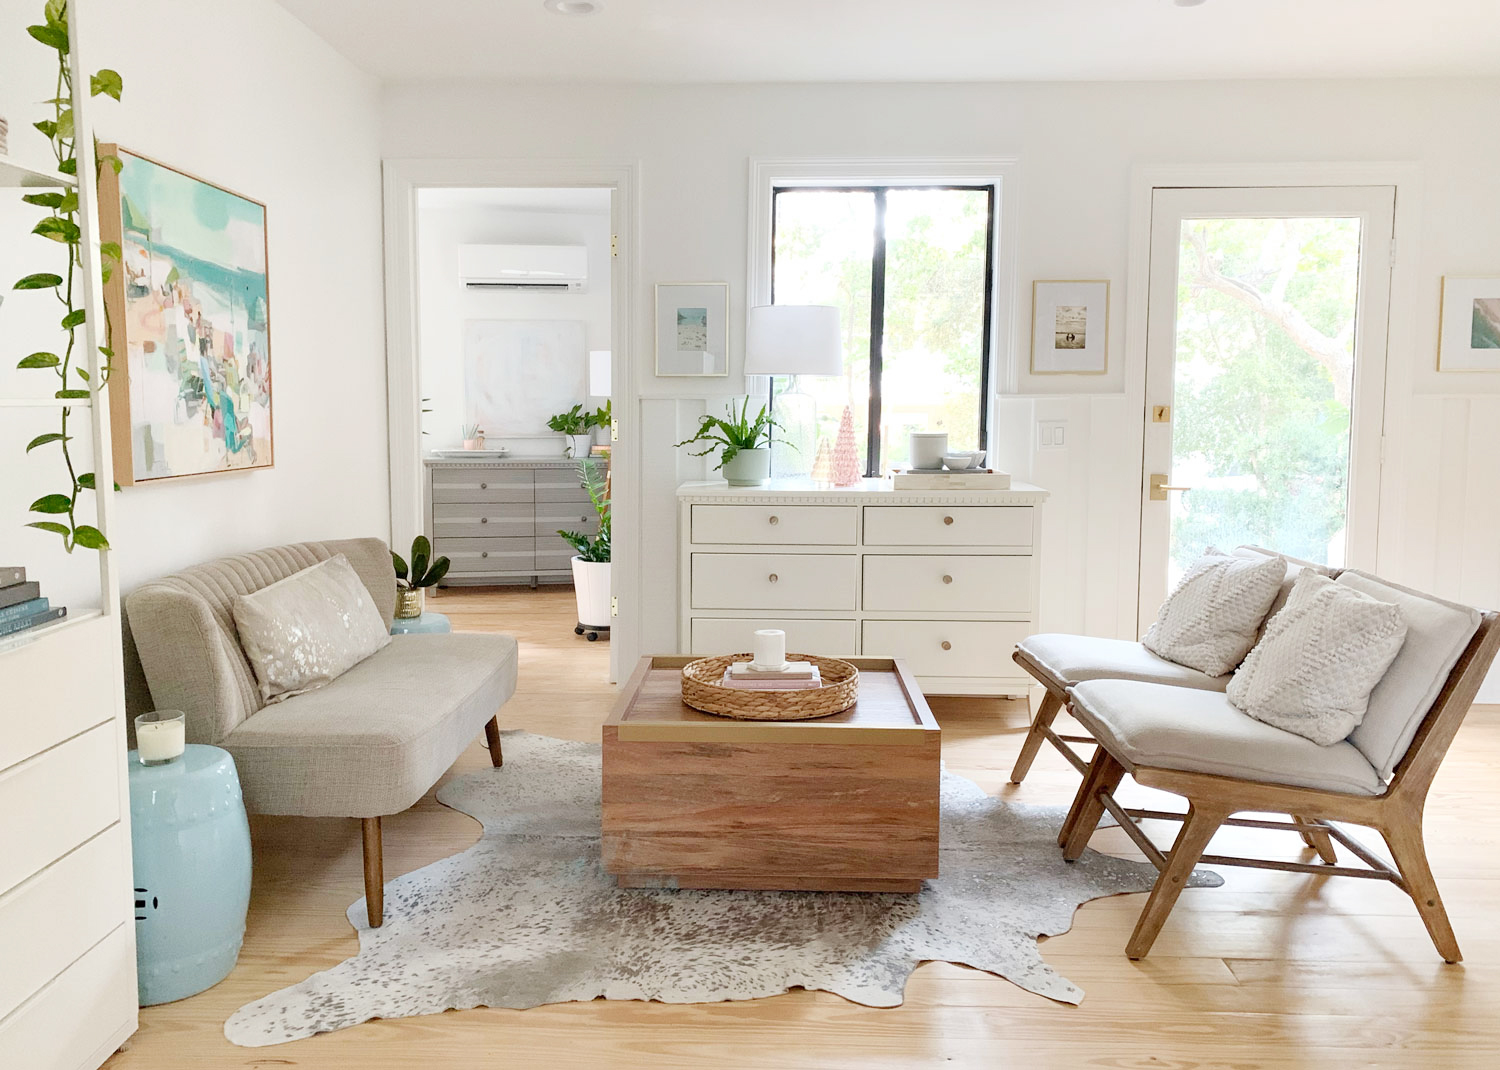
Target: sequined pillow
303, 632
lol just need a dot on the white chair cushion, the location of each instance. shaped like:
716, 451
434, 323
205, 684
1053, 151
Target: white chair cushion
1295, 566
1313, 670
1072, 659
1210, 620
1436, 634
1167, 727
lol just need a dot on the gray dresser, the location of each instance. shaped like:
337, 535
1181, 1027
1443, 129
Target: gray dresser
497, 519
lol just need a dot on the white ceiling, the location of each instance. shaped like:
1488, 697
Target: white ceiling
909, 40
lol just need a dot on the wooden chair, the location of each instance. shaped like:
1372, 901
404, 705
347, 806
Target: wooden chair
1393, 808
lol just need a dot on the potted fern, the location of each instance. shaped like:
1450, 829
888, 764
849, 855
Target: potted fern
743, 444
574, 424
412, 583
591, 558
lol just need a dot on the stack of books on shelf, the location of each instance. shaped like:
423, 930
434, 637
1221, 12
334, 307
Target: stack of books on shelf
792, 676
21, 603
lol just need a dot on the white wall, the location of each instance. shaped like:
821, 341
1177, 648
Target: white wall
1077, 144
243, 95
448, 219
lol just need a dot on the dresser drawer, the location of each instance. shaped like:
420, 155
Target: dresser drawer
553, 554
481, 485
74, 789
481, 522
773, 581
998, 526
489, 555
551, 517
773, 525
562, 485
947, 583
947, 648
718, 635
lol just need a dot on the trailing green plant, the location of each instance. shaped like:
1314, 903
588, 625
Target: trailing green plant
730, 436
61, 226
425, 570
592, 547
572, 422
602, 416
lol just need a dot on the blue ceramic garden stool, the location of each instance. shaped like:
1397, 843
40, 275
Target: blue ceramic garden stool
191, 847
427, 623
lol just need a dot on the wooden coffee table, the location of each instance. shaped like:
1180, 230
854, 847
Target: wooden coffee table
842, 803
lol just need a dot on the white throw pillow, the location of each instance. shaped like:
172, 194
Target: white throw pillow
302, 632
1321, 657
1210, 621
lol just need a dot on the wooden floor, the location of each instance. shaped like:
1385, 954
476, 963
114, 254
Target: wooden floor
1271, 970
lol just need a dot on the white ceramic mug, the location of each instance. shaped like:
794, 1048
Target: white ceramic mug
927, 449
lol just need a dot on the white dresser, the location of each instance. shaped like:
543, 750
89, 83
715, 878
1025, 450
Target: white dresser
944, 579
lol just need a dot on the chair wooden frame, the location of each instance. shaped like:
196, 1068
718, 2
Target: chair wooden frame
1053, 703
1213, 800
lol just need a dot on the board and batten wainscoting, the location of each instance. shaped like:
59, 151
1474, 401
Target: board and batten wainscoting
946, 580
497, 519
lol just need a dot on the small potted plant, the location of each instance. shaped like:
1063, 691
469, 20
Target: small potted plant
574, 424
591, 558
412, 583
744, 444
473, 436
600, 419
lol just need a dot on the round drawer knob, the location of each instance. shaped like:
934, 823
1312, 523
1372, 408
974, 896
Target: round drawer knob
484, 486
947, 579
775, 520
484, 553
947, 520
484, 520
947, 645
773, 577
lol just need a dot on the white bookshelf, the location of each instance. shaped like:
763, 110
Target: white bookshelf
66, 899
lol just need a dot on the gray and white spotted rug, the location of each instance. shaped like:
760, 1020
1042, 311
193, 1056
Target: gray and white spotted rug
527, 915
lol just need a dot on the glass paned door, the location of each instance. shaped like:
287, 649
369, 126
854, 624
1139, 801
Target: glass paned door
1265, 375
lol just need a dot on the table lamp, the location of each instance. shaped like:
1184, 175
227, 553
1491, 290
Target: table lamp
794, 340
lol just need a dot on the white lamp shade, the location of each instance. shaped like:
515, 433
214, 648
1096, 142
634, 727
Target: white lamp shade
793, 340
599, 373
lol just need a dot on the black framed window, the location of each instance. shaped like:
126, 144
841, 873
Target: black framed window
911, 269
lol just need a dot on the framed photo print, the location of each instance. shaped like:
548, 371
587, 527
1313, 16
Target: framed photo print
1469, 327
692, 328
1069, 327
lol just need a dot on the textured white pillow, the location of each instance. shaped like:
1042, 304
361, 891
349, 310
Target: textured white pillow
1210, 621
302, 632
1321, 657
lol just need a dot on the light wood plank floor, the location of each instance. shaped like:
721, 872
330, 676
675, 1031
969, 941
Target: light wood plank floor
1272, 970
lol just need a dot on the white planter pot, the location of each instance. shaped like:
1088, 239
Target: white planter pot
591, 587
578, 446
749, 468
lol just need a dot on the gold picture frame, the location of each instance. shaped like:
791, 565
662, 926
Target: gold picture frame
1077, 312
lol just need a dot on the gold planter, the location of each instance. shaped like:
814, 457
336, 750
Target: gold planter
410, 602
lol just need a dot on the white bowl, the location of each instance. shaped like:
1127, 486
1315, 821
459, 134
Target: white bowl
958, 461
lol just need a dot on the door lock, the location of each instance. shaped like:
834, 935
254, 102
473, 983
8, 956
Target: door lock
1159, 488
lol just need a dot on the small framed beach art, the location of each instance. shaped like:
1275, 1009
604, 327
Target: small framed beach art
1069, 327
692, 328
1469, 326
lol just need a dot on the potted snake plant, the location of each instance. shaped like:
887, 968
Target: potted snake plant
412, 583
591, 557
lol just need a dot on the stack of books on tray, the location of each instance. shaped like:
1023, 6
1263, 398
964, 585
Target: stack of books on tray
21, 603
792, 676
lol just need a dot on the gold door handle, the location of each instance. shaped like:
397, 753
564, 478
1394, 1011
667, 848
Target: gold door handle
1160, 486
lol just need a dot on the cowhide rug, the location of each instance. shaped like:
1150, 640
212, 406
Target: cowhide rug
527, 916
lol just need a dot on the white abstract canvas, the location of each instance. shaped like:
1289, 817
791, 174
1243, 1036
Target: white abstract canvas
517, 373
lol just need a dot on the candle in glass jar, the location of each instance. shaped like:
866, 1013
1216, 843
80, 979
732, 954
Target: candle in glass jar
160, 736
770, 648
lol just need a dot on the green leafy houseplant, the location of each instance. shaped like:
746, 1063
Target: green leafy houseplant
61, 226
572, 422
730, 436
425, 570
602, 416
592, 547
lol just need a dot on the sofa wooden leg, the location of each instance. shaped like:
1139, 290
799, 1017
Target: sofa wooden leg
1104, 776
1320, 842
1192, 840
1405, 842
374, 872
1046, 713
492, 737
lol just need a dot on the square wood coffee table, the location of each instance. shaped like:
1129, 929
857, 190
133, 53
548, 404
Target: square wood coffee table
842, 803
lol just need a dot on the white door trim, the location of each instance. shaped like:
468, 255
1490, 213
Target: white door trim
402, 179
1145, 179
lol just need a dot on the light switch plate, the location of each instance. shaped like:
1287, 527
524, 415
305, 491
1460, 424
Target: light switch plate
1052, 434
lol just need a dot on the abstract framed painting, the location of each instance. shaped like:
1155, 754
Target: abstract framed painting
189, 305
1069, 327
1469, 325
692, 328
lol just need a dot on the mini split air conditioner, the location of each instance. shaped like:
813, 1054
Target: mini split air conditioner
563, 268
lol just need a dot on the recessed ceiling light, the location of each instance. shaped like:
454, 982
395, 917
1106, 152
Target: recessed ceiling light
573, 7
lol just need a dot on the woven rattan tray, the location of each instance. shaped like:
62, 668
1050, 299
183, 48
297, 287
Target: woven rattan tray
703, 689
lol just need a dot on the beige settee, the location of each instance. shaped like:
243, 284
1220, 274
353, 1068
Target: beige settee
369, 744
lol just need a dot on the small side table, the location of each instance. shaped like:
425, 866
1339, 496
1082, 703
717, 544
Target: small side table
190, 847
426, 624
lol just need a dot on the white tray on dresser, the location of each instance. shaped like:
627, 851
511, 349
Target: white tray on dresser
947, 580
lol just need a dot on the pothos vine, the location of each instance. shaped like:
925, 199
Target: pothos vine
61, 226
